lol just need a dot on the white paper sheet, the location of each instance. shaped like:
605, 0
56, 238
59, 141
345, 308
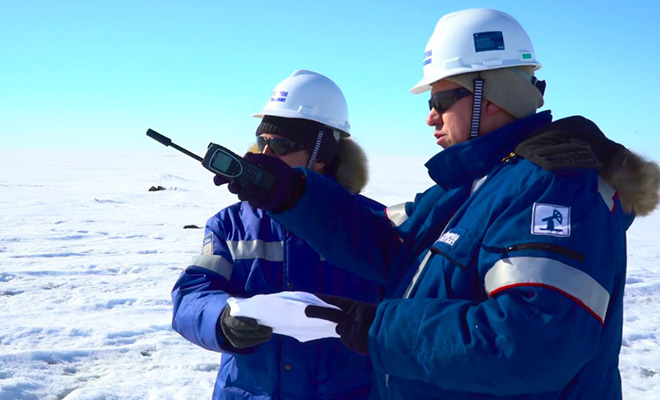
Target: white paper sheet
285, 313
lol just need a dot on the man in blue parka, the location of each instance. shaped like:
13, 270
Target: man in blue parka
505, 279
246, 253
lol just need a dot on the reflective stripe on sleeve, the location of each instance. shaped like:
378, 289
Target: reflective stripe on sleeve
477, 183
535, 271
397, 214
421, 267
249, 249
217, 264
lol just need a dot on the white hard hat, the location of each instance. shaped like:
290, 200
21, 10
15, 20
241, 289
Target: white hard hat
309, 95
474, 40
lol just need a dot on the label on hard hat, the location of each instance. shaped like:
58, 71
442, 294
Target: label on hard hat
427, 57
488, 41
279, 95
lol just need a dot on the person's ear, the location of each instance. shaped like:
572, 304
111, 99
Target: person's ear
491, 108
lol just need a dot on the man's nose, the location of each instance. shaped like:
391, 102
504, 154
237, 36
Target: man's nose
433, 118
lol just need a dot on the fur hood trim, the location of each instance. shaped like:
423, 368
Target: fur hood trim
636, 179
576, 142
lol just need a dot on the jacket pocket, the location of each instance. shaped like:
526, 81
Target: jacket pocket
450, 270
546, 247
458, 246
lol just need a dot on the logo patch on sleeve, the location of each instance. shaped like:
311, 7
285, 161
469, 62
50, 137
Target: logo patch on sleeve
449, 237
551, 220
207, 246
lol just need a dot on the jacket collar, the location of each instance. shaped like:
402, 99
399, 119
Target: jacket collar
465, 162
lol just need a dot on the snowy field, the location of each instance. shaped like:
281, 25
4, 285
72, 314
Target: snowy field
88, 256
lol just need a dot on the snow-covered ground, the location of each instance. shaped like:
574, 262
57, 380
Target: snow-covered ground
88, 257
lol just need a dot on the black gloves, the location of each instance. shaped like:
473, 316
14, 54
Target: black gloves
242, 332
289, 185
353, 323
353, 320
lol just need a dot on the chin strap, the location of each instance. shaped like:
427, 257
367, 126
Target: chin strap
477, 101
317, 146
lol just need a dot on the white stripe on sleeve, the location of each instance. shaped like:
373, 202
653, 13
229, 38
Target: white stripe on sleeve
248, 249
397, 214
536, 271
217, 264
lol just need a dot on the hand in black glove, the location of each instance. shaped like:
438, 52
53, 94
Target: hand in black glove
353, 320
289, 185
242, 332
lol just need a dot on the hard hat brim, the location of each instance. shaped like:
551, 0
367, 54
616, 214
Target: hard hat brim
286, 113
425, 83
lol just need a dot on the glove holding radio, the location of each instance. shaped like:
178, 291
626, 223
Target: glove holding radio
289, 185
353, 320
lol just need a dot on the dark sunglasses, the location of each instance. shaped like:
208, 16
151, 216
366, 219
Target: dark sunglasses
441, 101
279, 146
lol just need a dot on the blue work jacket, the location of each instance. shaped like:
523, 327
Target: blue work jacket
246, 253
505, 280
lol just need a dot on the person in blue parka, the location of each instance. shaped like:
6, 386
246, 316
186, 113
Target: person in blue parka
246, 253
505, 279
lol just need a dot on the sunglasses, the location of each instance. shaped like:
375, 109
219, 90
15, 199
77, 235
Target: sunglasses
279, 146
442, 101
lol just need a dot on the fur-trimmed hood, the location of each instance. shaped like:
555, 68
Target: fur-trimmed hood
349, 167
577, 142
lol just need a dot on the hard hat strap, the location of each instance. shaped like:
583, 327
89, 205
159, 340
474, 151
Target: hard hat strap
315, 151
477, 101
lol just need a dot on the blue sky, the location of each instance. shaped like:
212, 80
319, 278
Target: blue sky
97, 74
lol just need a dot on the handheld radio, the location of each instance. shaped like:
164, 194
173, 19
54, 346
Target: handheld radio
222, 161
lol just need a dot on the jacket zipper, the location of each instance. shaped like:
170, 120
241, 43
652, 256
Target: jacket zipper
508, 157
553, 248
